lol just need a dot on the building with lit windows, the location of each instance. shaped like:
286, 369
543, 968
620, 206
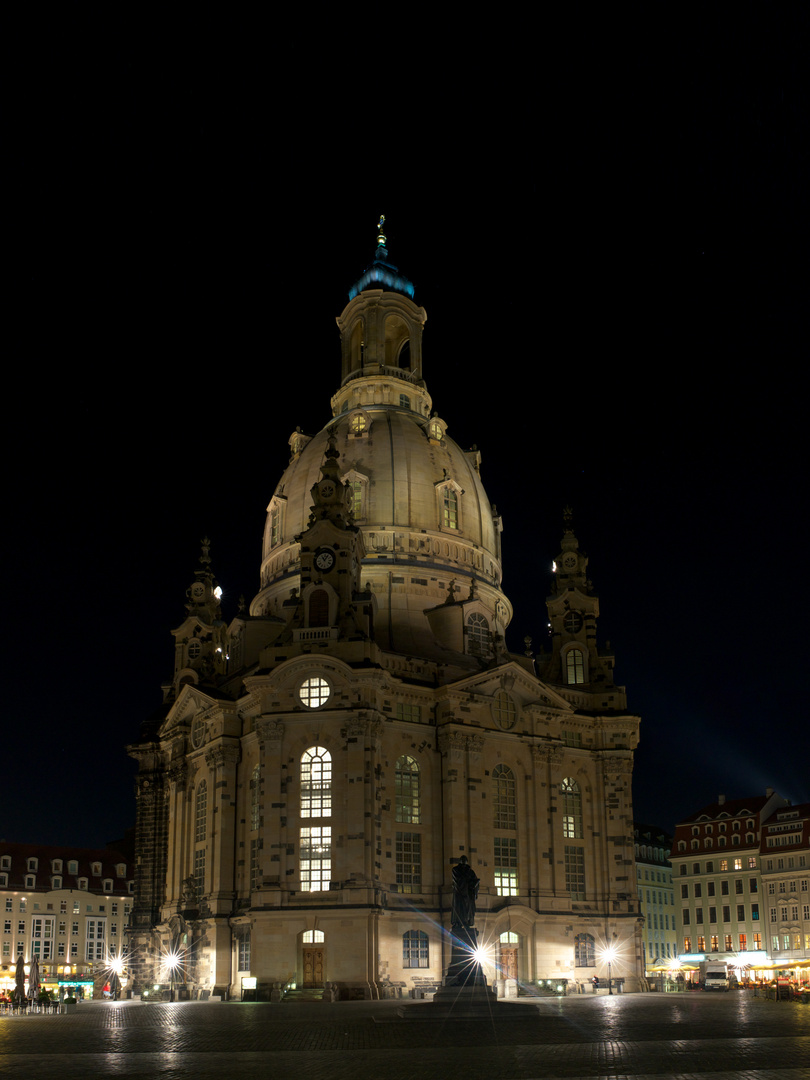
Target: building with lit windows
656, 895
322, 761
716, 862
68, 907
785, 867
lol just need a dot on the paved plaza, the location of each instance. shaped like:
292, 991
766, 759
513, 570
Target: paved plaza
692, 1035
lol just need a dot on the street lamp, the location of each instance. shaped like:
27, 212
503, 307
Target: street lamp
172, 961
609, 954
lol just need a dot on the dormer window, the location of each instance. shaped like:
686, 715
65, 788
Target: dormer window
33, 865
436, 429
449, 496
95, 869
479, 635
107, 885
56, 881
5, 862
359, 423
82, 883
56, 866
30, 881
73, 866
120, 869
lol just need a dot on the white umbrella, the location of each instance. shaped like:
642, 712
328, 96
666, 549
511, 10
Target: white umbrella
33, 979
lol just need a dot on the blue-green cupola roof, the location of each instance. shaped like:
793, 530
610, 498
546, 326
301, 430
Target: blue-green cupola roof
381, 272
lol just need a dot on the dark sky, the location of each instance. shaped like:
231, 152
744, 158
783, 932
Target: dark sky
612, 256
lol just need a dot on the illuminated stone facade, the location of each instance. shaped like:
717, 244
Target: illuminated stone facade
322, 762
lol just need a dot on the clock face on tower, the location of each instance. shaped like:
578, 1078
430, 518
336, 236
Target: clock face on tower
327, 489
325, 560
569, 560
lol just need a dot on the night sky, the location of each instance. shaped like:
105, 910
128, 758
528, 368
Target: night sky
612, 256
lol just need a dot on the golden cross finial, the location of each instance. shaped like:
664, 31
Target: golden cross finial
381, 235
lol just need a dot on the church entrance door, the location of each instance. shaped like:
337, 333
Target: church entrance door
509, 963
313, 966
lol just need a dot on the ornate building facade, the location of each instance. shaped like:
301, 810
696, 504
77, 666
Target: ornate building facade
322, 762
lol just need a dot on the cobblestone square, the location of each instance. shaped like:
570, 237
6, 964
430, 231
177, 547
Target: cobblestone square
690, 1035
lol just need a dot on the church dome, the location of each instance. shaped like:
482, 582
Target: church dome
430, 535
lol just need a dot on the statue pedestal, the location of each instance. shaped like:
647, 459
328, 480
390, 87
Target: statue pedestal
464, 993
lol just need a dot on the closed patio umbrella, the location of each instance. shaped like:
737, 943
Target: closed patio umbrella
33, 979
19, 978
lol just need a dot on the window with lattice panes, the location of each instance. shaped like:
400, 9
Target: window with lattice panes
408, 807
255, 779
315, 860
505, 861
254, 863
415, 947
199, 871
504, 797
571, 809
575, 871
574, 667
243, 948
504, 710
274, 525
449, 504
584, 950
316, 783
94, 937
201, 812
479, 635
409, 862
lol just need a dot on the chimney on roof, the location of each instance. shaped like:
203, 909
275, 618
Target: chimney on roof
769, 791
720, 800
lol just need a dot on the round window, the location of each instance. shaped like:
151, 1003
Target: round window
314, 692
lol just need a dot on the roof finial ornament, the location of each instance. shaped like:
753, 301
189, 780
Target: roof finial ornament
381, 241
568, 519
205, 557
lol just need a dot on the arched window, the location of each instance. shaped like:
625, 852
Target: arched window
319, 607
584, 951
479, 637
200, 812
200, 832
312, 937
571, 809
254, 799
449, 508
315, 862
574, 667
504, 797
414, 949
407, 791
316, 782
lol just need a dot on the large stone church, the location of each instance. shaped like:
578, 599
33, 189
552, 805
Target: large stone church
322, 762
